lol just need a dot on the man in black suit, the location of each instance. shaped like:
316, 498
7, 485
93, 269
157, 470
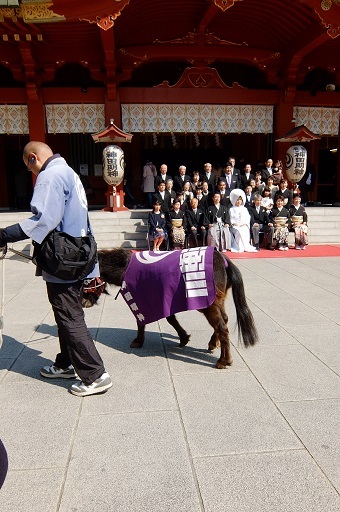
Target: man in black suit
209, 177
249, 196
180, 179
231, 181
221, 189
267, 170
259, 222
163, 196
196, 222
202, 199
163, 176
234, 171
246, 175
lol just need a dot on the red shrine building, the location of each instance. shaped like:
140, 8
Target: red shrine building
192, 81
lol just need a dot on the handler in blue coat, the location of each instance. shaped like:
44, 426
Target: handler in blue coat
59, 201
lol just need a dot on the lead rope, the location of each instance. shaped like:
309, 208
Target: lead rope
3, 251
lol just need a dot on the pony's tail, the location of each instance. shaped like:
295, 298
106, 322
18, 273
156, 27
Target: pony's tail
245, 320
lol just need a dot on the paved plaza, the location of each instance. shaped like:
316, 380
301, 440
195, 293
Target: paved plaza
174, 433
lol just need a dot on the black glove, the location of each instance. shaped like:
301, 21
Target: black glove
2, 239
12, 233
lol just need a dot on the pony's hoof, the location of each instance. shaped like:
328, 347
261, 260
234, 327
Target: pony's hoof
87, 302
136, 344
213, 346
220, 366
184, 341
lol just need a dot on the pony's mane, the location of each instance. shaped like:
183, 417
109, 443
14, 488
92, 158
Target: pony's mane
112, 264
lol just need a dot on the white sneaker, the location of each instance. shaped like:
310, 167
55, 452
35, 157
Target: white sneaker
53, 372
100, 385
298, 247
286, 248
281, 248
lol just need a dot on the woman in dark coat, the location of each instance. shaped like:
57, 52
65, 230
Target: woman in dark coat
157, 226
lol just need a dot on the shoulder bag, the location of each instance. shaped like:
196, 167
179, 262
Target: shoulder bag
65, 256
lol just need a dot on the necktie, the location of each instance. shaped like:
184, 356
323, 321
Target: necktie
258, 209
228, 179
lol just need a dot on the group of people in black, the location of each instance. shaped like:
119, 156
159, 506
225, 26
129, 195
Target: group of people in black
197, 210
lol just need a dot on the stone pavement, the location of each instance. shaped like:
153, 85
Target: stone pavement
173, 433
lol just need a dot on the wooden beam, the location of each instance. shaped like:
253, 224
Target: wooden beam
30, 73
149, 53
108, 43
208, 17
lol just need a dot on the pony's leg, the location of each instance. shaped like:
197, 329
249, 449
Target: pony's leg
138, 342
218, 319
214, 342
184, 337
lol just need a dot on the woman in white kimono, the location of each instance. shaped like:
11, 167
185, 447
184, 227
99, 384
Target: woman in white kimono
239, 223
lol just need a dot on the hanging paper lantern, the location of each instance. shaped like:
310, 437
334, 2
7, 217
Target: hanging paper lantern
296, 163
113, 165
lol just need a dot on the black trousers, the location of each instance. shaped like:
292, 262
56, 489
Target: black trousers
202, 233
76, 344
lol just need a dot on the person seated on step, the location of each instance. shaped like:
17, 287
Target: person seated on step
176, 225
239, 223
259, 222
218, 224
157, 225
299, 220
196, 223
279, 217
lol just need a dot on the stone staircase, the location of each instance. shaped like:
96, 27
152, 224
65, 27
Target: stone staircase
120, 229
323, 225
128, 228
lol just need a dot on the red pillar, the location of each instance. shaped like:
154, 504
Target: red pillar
36, 121
282, 125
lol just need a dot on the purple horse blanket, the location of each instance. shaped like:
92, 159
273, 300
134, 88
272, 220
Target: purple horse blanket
159, 284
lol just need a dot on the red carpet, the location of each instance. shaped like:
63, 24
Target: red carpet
311, 251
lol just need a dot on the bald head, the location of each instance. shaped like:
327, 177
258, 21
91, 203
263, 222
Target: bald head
35, 155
